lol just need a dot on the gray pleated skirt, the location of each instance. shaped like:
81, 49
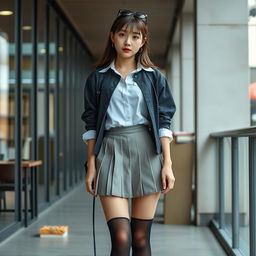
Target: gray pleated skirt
127, 164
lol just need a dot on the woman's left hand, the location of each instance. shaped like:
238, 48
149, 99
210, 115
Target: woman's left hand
167, 178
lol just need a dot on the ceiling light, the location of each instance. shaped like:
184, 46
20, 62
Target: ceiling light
6, 13
26, 27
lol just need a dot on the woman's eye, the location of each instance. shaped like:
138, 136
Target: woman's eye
136, 37
121, 34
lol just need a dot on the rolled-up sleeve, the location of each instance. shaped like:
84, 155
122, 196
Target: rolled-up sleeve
166, 103
91, 134
163, 132
89, 116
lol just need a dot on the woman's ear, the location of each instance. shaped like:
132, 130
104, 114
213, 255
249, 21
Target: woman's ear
143, 41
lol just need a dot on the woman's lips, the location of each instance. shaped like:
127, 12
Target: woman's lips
126, 50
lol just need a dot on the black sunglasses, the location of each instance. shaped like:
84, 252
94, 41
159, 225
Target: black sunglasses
139, 15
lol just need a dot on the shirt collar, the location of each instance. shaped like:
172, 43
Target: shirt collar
112, 65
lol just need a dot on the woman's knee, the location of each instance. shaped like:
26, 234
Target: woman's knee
139, 239
123, 238
140, 229
120, 231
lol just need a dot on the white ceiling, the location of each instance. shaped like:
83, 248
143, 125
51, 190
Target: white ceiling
93, 19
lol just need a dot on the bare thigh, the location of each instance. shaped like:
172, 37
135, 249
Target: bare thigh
144, 207
114, 206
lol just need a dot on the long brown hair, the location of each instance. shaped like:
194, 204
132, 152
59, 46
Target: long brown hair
110, 52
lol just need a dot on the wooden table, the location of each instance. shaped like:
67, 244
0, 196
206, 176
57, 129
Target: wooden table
32, 165
23, 163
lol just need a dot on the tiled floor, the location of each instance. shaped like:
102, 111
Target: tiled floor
75, 210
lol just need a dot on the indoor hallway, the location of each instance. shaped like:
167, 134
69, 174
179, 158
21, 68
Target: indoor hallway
75, 210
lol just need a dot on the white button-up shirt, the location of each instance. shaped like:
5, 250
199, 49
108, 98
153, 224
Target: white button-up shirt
127, 106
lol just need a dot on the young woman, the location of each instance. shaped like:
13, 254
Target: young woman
127, 115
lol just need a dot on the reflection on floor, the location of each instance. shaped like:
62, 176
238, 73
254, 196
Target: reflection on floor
6, 218
75, 210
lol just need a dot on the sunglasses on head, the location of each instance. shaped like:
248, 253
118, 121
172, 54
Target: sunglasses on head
139, 15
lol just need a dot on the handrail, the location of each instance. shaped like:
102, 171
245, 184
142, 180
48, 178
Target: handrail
242, 132
249, 132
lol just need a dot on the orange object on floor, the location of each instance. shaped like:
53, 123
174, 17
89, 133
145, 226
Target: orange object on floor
53, 230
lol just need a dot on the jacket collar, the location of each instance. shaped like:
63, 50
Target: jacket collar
112, 66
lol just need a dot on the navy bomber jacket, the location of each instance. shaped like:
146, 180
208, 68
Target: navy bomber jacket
99, 88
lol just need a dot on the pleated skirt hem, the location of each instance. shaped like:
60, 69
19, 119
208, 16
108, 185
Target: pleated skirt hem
128, 195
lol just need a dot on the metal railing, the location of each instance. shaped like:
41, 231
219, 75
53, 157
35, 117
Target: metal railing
250, 132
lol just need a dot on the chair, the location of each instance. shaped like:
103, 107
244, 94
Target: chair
7, 183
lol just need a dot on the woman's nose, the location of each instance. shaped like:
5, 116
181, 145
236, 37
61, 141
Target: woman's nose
128, 40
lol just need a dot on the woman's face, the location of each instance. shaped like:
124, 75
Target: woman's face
127, 42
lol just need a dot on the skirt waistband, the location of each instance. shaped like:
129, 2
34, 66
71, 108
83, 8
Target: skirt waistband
127, 129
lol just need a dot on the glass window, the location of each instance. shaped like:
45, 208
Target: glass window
252, 58
61, 105
7, 110
26, 83
52, 99
41, 97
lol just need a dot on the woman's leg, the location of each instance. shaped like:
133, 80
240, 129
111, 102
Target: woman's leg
116, 210
143, 211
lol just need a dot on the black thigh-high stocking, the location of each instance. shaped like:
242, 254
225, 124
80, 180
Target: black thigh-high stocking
140, 229
120, 232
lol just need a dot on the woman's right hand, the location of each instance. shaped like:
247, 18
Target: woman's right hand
90, 178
